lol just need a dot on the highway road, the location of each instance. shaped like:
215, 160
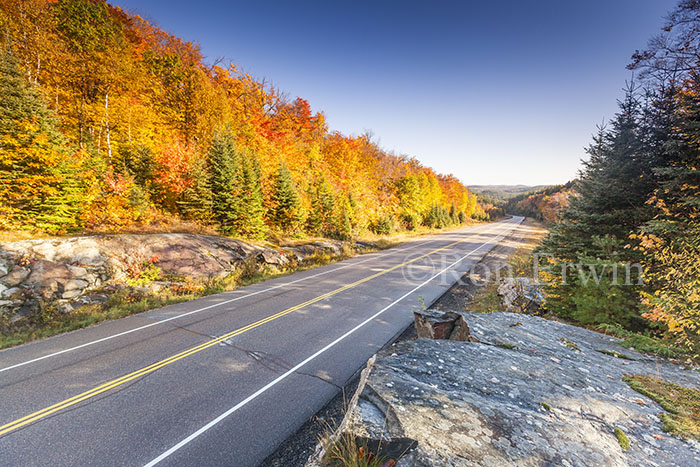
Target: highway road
222, 380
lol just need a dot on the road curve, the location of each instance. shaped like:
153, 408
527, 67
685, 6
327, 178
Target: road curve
222, 380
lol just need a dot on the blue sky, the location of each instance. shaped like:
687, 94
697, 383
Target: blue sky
495, 92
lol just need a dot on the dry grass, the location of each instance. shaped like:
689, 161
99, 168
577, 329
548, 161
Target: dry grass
18, 235
347, 451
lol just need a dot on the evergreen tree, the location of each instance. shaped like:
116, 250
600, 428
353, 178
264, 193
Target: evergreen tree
347, 221
250, 222
320, 220
671, 240
138, 162
225, 182
39, 186
197, 198
286, 206
595, 229
454, 217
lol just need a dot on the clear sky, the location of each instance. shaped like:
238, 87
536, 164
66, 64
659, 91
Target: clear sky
496, 92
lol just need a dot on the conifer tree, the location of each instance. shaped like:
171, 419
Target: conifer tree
347, 221
250, 222
39, 187
454, 218
197, 198
320, 220
595, 228
671, 240
225, 181
286, 206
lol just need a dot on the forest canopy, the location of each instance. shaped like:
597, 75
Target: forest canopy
107, 121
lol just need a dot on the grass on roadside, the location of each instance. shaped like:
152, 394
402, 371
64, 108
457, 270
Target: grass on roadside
347, 451
681, 403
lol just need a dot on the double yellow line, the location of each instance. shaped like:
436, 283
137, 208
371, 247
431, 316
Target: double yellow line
20, 422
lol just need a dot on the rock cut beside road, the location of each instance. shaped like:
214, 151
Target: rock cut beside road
71, 272
531, 392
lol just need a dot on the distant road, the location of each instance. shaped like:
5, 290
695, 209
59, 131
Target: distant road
222, 380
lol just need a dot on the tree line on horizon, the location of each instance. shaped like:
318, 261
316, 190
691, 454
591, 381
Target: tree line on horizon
107, 122
543, 204
637, 201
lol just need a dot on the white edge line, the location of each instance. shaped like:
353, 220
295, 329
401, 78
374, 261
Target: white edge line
272, 383
285, 284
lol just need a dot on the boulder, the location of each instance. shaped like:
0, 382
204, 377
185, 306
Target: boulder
436, 324
73, 288
12, 292
49, 278
16, 276
335, 248
521, 294
78, 271
75, 284
272, 257
536, 401
297, 254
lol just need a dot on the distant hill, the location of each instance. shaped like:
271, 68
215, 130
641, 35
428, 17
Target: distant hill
504, 192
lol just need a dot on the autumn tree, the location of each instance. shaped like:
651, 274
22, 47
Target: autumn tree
136, 107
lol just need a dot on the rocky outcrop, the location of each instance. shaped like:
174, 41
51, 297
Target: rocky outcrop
521, 295
532, 392
70, 272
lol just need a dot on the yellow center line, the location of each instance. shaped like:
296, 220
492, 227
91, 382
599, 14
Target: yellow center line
38, 415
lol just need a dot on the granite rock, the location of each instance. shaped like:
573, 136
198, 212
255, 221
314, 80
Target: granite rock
520, 396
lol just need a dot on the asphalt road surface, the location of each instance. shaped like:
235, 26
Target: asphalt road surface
222, 380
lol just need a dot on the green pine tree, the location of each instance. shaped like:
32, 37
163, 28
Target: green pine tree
595, 229
286, 212
250, 222
225, 183
672, 252
197, 198
320, 220
454, 217
347, 221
